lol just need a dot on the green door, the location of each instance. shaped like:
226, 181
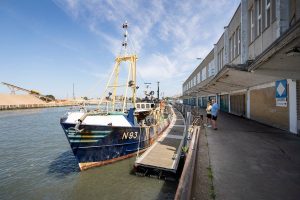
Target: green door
224, 102
204, 102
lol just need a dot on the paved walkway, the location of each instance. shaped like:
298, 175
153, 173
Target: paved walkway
252, 161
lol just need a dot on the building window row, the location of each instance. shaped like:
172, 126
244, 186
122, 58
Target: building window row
260, 15
200, 76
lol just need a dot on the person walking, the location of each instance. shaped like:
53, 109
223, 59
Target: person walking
214, 114
208, 114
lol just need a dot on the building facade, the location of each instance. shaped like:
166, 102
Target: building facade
254, 68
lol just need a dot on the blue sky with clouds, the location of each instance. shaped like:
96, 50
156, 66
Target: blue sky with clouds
49, 45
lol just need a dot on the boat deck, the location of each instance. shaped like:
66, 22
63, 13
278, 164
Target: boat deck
165, 153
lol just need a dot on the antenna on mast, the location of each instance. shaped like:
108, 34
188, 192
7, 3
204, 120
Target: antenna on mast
125, 43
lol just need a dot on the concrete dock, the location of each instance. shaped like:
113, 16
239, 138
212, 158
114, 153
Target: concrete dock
244, 159
164, 154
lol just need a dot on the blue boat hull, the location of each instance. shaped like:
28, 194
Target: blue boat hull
100, 145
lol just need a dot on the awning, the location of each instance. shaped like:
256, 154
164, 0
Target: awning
231, 78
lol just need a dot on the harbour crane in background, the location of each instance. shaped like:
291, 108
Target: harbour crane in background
14, 88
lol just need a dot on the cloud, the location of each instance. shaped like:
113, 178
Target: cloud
168, 36
157, 66
103, 17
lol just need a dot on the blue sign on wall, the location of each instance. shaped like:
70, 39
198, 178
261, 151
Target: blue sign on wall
281, 87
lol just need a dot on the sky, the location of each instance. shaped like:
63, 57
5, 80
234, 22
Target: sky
50, 45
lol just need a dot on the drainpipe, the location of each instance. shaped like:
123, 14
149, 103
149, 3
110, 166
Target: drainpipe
248, 103
292, 103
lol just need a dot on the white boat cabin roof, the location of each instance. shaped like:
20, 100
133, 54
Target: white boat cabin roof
114, 120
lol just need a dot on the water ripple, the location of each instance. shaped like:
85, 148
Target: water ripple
63, 165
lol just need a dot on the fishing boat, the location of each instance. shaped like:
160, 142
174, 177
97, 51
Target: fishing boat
120, 127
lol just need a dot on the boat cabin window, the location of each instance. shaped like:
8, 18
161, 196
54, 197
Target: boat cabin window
152, 105
147, 106
143, 105
138, 105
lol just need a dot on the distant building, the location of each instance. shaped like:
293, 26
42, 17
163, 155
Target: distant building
254, 69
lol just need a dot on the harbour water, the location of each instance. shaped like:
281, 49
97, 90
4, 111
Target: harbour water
36, 163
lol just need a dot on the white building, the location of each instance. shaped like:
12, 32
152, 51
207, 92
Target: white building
254, 68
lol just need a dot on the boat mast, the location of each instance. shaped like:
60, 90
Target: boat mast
131, 79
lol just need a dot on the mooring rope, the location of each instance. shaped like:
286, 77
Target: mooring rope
138, 152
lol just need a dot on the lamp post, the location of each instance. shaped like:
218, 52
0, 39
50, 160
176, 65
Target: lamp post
158, 90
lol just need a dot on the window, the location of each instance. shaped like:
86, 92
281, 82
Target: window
252, 24
259, 19
199, 77
230, 49
203, 74
220, 58
238, 41
211, 69
219, 61
234, 45
268, 13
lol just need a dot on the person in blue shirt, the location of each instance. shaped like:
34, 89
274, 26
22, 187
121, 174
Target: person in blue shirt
214, 114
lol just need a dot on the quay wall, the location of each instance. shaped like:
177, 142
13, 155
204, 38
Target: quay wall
13, 102
28, 106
